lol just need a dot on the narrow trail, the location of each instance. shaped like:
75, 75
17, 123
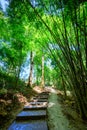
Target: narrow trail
56, 118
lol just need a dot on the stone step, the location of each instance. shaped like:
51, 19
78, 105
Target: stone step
34, 115
43, 94
29, 125
39, 100
34, 108
38, 103
42, 100
40, 97
34, 100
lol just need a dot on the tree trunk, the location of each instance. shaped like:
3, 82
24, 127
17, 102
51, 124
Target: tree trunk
42, 79
17, 77
31, 70
63, 84
82, 103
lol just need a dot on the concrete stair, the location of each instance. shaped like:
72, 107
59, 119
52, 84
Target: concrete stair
33, 116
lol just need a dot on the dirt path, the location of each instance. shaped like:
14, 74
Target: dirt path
56, 118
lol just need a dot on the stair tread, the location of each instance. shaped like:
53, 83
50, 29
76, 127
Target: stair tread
34, 107
32, 113
29, 125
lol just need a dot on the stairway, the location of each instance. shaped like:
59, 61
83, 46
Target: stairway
34, 115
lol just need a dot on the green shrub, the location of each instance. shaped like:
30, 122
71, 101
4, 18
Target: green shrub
3, 91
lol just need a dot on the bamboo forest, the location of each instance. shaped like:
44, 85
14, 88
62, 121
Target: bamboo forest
43, 65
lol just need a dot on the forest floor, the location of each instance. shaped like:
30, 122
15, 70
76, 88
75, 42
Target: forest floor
61, 115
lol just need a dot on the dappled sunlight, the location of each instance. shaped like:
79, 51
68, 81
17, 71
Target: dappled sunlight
50, 89
51, 104
53, 90
38, 89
